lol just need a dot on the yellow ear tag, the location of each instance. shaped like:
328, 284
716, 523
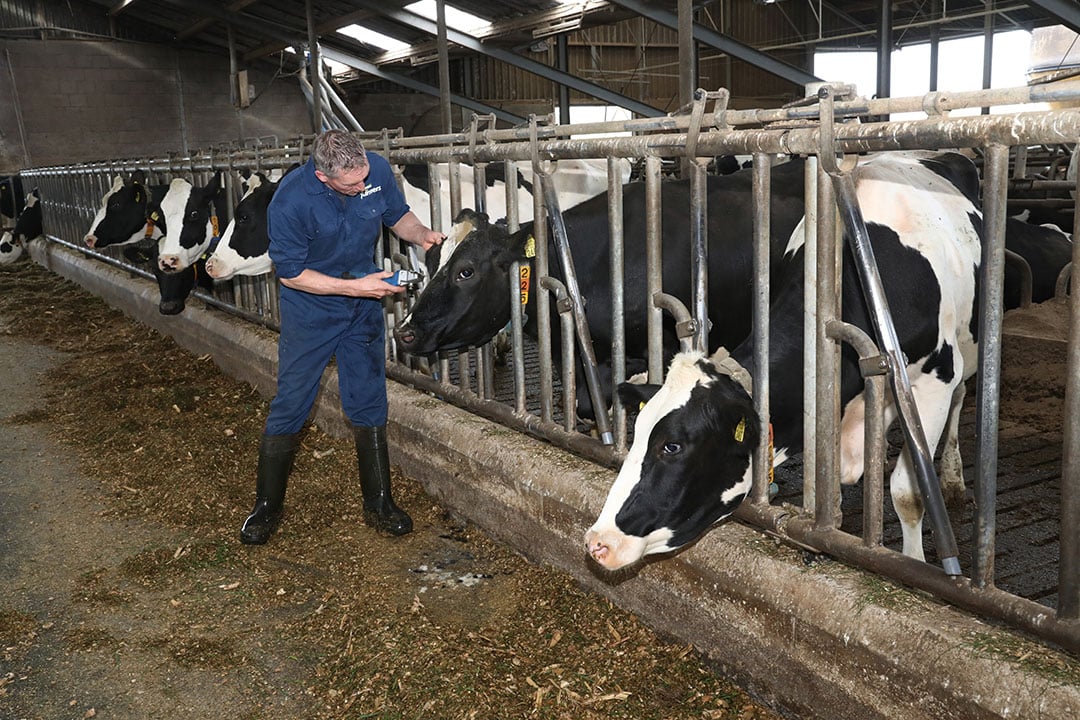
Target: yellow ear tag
530, 247
641, 406
740, 431
154, 216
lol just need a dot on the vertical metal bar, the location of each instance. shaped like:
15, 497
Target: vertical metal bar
618, 296
562, 62
480, 187
884, 50
444, 66
810, 317
761, 289
573, 289
1069, 566
543, 305
653, 269
826, 500
687, 65
988, 49
935, 37
992, 273
699, 252
315, 69
520, 286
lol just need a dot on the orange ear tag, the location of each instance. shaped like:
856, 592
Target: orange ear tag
524, 281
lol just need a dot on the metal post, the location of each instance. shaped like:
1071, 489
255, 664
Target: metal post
992, 272
1069, 566
444, 66
618, 293
316, 71
655, 328
762, 236
699, 252
824, 500
584, 336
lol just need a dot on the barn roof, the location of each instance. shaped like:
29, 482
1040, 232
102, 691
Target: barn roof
260, 29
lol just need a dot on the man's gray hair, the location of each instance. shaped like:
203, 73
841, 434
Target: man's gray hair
337, 151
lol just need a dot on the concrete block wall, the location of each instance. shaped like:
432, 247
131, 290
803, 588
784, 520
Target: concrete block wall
76, 101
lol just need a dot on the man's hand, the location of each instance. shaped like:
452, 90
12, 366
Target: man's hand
411, 230
376, 286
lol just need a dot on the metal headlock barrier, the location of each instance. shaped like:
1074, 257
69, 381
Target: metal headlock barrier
828, 125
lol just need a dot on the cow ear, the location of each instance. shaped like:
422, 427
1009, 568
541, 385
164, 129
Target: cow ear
738, 421
635, 395
431, 259
138, 177
523, 244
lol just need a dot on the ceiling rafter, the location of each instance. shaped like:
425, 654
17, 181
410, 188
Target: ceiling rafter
545, 71
204, 23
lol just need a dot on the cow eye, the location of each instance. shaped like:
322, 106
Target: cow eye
671, 448
465, 273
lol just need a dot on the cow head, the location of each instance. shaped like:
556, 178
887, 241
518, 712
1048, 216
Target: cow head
466, 302
688, 467
123, 214
28, 224
243, 249
191, 214
10, 248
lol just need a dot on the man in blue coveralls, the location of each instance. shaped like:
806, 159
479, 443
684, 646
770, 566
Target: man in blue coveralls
324, 222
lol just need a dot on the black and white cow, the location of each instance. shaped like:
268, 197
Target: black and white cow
1045, 248
575, 181
244, 244
191, 214
27, 227
690, 462
467, 301
129, 213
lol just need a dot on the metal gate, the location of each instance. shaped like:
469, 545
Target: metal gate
535, 397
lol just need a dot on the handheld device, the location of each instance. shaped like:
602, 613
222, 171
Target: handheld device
405, 278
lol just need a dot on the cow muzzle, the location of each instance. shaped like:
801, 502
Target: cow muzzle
612, 549
406, 336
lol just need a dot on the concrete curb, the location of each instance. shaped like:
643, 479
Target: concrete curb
813, 641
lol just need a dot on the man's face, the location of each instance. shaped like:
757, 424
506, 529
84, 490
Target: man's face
347, 182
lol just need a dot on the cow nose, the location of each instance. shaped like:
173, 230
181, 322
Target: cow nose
169, 263
211, 268
596, 547
90, 240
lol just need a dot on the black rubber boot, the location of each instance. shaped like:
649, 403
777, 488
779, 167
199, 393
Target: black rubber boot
276, 455
372, 455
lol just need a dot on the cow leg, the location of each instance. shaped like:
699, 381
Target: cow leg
852, 450
952, 465
933, 400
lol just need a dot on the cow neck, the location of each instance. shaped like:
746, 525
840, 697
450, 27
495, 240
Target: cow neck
155, 218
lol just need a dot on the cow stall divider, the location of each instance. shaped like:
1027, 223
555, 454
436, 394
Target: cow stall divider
70, 195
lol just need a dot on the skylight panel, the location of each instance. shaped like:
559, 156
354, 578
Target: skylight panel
372, 38
457, 19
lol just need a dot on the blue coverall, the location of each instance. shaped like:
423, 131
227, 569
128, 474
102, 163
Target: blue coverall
313, 226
